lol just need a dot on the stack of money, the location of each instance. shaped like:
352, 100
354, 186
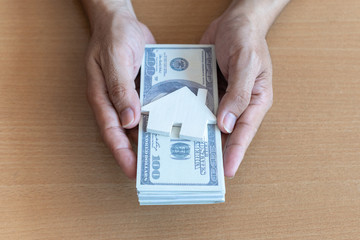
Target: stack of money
171, 170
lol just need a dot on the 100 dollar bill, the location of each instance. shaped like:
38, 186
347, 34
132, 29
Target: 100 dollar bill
168, 163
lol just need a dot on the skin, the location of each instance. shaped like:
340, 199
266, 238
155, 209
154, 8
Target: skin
114, 56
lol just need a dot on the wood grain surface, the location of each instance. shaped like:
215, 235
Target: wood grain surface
300, 178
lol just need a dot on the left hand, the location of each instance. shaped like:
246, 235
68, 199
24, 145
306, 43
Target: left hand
244, 60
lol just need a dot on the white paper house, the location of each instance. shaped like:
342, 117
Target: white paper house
181, 108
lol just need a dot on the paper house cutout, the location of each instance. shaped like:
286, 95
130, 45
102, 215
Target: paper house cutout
181, 108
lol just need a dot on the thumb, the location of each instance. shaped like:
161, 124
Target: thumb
243, 70
119, 76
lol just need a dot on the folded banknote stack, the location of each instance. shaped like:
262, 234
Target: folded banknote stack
172, 169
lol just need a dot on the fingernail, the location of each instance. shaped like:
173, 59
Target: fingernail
126, 117
229, 122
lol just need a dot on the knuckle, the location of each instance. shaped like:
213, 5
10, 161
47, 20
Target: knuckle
241, 100
92, 54
109, 134
269, 101
250, 129
89, 95
94, 97
89, 64
117, 93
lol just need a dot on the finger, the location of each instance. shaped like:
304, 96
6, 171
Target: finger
244, 67
148, 37
240, 139
206, 38
120, 66
108, 121
209, 35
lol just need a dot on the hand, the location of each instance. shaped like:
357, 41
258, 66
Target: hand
244, 60
112, 63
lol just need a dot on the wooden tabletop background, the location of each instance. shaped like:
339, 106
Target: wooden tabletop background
300, 178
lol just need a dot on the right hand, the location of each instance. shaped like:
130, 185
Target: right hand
113, 60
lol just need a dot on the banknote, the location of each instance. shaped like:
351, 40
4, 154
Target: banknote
172, 170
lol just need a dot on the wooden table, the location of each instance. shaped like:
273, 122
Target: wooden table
301, 175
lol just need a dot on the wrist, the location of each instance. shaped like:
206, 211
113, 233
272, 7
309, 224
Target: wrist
260, 14
100, 10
